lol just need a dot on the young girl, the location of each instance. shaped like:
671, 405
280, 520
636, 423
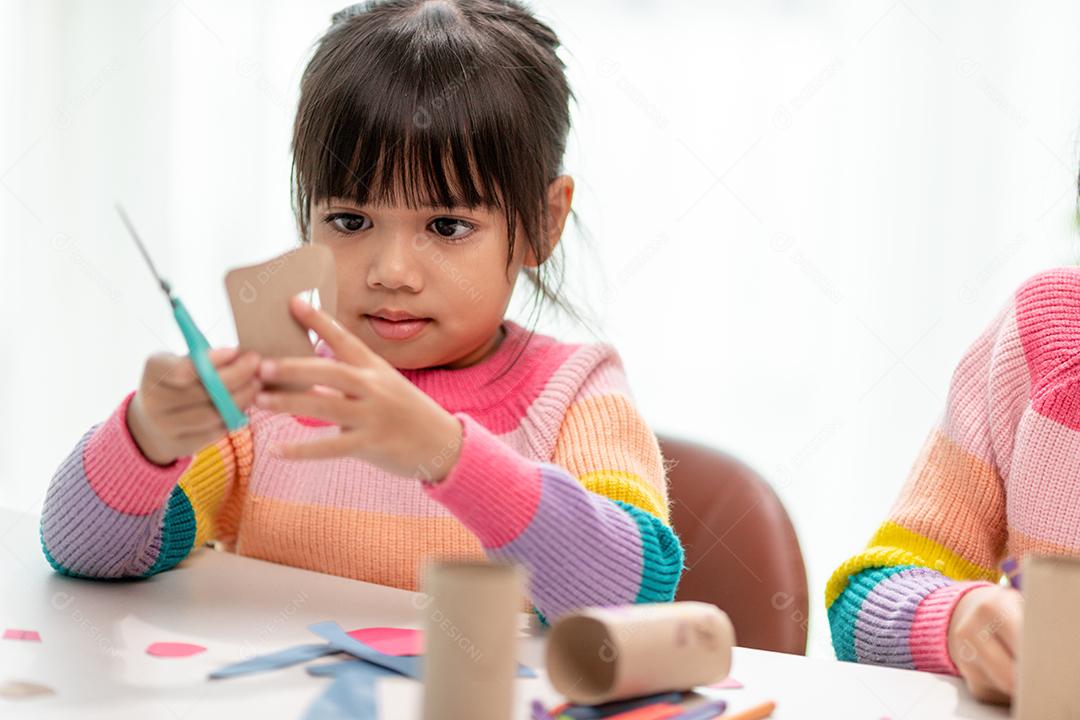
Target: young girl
996, 479
427, 151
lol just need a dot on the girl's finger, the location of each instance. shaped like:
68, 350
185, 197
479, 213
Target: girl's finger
339, 411
239, 373
233, 376
204, 417
180, 372
982, 687
1012, 615
1004, 672
986, 692
325, 391
345, 345
197, 419
245, 396
996, 665
328, 447
313, 370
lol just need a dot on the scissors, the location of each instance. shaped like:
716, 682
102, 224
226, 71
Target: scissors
197, 346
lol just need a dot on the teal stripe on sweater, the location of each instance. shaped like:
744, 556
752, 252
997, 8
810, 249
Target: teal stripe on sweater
177, 538
662, 556
177, 532
662, 561
844, 612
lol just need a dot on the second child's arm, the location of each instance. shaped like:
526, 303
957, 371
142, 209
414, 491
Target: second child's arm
923, 593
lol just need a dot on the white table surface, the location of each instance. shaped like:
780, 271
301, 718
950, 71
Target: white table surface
94, 637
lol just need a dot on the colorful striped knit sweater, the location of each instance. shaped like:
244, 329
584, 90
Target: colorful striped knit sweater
995, 479
557, 471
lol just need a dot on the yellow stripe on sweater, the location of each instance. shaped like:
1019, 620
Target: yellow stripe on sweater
895, 545
628, 487
204, 484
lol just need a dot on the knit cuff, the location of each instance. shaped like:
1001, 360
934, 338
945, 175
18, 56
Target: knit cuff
121, 475
492, 489
930, 630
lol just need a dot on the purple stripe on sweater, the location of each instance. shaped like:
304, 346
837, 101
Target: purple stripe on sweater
580, 548
86, 536
883, 626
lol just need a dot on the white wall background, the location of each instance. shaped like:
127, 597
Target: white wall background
800, 212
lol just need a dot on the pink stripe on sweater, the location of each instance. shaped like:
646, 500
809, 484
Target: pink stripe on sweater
1009, 392
965, 421
143, 486
492, 490
1044, 507
289, 480
929, 637
607, 378
532, 378
330, 482
499, 390
1048, 319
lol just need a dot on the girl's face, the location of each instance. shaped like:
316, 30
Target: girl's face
422, 287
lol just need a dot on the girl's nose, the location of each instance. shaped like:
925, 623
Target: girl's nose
394, 265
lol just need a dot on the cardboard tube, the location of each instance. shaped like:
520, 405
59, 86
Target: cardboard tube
598, 655
471, 637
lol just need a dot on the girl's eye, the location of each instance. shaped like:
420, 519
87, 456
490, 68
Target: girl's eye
450, 228
348, 222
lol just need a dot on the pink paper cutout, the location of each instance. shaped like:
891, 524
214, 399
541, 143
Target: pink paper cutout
728, 683
173, 649
392, 641
31, 635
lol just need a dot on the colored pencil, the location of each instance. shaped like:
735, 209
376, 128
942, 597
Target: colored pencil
757, 712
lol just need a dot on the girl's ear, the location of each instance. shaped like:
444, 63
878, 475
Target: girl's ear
560, 195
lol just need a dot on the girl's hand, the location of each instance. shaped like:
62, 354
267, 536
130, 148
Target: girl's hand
984, 639
172, 415
384, 418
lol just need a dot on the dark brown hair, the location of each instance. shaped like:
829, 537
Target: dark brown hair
436, 103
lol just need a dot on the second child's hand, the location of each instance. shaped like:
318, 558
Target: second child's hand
384, 418
983, 641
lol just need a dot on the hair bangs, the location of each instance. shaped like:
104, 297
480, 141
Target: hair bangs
437, 103
434, 133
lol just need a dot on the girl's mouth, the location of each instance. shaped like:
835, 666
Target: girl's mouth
396, 325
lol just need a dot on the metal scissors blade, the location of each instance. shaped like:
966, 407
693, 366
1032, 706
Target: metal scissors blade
198, 347
142, 248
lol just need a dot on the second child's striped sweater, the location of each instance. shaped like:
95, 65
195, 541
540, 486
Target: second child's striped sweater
557, 471
998, 477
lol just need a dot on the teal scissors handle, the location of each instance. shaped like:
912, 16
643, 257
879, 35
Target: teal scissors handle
232, 415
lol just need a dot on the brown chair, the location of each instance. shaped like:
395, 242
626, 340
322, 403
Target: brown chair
742, 553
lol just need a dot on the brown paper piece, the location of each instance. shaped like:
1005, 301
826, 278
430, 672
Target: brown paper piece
1048, 689
21, 690
598, 655
471, 629
259, 295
